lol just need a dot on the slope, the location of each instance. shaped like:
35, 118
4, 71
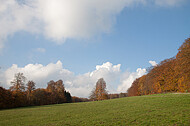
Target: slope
159, 109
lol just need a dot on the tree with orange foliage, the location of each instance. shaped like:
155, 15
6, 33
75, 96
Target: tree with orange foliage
99, 93
134, 89
171, 75
57, 91
183, 63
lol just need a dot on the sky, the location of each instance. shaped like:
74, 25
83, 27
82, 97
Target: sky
80, 41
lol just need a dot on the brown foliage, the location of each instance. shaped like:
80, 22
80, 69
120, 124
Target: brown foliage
171, 75
29, 92
17, 97
99, 93
57, 91
5, 98
133, 90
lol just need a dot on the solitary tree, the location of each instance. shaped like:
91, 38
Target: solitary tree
99, 93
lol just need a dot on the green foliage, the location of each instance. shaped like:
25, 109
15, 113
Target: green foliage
160, 109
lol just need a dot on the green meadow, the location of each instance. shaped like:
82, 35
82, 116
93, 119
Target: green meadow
160, 109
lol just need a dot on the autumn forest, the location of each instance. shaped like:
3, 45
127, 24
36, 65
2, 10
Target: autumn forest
171, 75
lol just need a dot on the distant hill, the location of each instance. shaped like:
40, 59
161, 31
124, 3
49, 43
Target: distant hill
159, 109
171, 75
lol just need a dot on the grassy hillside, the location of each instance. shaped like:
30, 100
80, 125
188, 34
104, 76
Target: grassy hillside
161, 109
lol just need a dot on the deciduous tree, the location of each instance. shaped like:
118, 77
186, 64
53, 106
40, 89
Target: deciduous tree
30, 88
18, 84
100, 92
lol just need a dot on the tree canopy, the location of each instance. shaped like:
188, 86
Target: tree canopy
17, 96
171, 75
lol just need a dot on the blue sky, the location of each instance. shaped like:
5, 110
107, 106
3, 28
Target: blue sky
126, 33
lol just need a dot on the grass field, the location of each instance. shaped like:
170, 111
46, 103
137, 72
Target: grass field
160, 109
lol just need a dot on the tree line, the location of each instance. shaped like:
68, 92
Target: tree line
20, 95
171, 75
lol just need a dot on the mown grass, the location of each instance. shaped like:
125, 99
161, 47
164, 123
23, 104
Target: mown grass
160, 109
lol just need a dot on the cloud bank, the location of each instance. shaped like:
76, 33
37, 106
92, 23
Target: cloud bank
59, 20
78, 85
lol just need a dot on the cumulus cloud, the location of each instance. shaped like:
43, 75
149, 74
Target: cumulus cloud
128, 78
82, 85
62, 19
39, 73
153, 63
78, 85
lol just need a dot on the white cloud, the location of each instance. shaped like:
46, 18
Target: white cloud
39, 73
15, 17
59, 19
82, 85
78, 85
128, 78
78, 19
153, 63
62, 19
